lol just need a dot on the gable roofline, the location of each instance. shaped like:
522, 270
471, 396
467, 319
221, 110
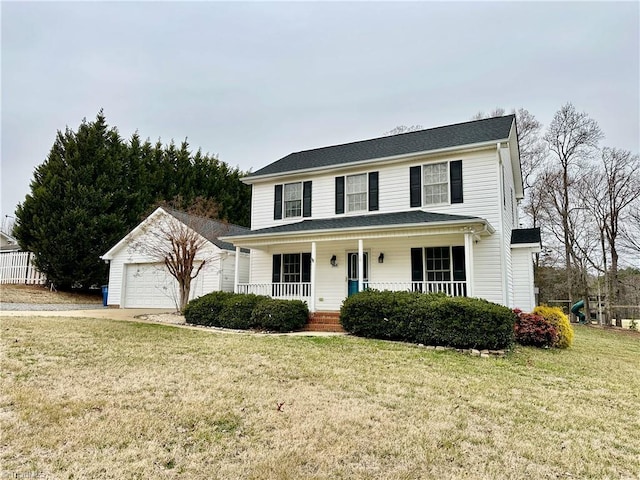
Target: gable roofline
405, 145
211, 230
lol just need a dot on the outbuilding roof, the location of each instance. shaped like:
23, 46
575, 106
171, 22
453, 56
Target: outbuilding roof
525, 236
208, 228
461, 134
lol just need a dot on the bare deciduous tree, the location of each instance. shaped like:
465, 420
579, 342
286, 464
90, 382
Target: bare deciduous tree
621, 185
179, 240
532, 148
572, 137
403, 129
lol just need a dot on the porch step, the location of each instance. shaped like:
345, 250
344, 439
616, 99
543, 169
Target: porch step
324, 322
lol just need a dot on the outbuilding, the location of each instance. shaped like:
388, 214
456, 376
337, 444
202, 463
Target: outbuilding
139, 278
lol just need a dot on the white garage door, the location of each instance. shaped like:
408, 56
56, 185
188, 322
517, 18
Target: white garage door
149, 285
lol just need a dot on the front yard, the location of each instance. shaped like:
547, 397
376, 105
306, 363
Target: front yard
86, 398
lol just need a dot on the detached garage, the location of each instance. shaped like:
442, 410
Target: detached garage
138, 277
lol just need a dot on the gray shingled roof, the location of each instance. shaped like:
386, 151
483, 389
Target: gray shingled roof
416, 217
468, 133
210, 229
525, 235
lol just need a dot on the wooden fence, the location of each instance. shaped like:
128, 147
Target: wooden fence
17, 267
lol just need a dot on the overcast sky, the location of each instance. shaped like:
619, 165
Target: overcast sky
255, 81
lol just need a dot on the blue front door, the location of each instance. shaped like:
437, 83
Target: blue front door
352, 271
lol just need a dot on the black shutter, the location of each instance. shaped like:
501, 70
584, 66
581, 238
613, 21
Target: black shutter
306, 267
277, 204
306, 199
459, 271
277, 265
373, 191
339, 194
455, 176
417, 266
414, 186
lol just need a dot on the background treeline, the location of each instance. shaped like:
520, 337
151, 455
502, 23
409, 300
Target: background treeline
95, 186
585, 197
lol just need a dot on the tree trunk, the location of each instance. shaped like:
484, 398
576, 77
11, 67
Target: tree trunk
615, 284
185, 289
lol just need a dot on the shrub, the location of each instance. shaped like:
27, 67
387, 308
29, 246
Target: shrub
378, 314
432, 319
237, 311
556, 317
280, 315
205, 310
463, 322
533, 330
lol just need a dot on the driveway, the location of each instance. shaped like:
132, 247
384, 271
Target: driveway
75, 310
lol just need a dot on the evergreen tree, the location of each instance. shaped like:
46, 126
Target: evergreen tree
93, 188
76, 211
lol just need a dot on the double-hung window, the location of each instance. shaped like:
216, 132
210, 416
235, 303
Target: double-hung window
292, 200
291, 268
356, 192
439, 269
291, 275
436, 184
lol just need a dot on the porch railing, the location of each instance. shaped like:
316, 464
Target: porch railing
299, 291
302, 291
452, 289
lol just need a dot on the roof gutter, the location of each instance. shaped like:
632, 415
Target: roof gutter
487, 228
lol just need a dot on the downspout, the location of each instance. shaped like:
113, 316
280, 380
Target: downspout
503, 267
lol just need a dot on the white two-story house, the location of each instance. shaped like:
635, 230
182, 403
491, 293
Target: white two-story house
431, 211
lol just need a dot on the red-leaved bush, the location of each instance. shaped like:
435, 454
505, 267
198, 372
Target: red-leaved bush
534, 330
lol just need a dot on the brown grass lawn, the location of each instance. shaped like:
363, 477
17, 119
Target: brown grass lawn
41, 294
91, 399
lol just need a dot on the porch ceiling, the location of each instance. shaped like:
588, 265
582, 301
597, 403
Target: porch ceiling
384, 225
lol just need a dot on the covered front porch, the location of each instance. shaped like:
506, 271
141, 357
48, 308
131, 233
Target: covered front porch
321, 263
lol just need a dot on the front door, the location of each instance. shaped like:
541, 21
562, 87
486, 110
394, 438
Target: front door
352, 271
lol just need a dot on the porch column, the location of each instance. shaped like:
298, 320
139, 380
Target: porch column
468, 261
360, 265
312, 300
236, 273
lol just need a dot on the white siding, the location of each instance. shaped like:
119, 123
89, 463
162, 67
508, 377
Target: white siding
482, 188
479, 180
207, 281
227, 272
523, 284
331, 282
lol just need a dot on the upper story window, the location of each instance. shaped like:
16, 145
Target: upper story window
292, 200
357, 193
435, 183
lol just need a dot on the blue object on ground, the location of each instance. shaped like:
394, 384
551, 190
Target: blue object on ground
105, 294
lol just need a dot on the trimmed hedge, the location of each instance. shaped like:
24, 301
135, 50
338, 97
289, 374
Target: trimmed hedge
237, 311
280, 315
206, 309
246, 311
430, 319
